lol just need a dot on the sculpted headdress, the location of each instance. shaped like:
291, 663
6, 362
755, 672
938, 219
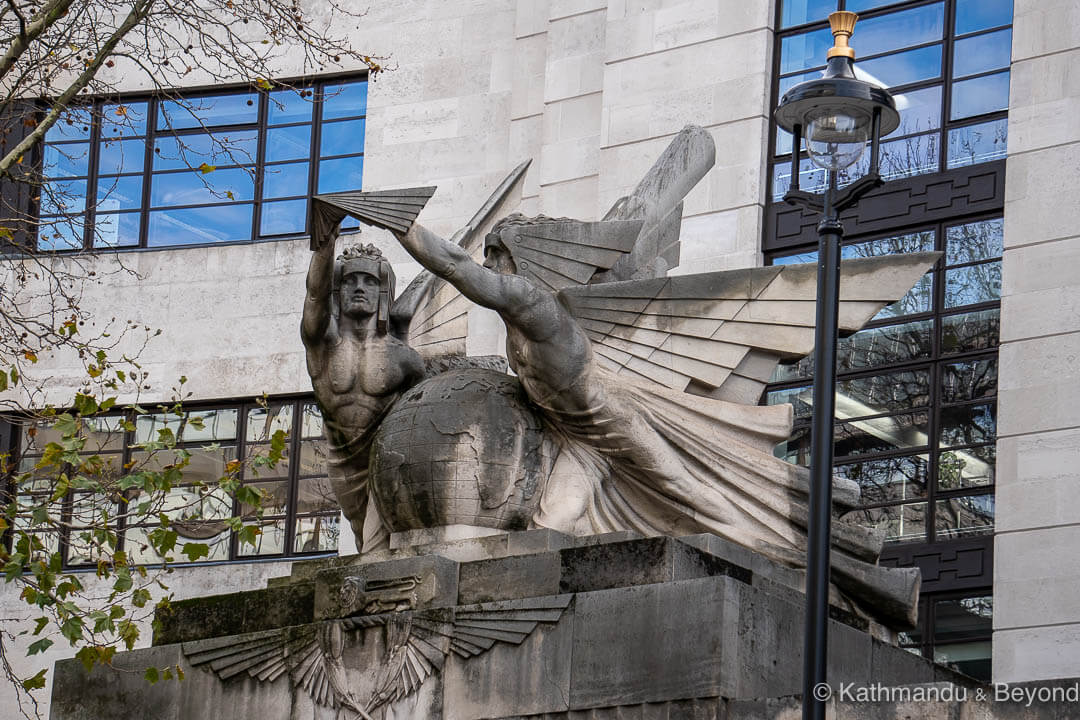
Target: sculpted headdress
368, 259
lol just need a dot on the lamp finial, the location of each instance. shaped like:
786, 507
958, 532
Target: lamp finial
843, 25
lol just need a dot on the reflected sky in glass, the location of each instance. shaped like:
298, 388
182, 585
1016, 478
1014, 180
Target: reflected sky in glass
286, 106
807, 50
288, 143
348, 100
797, 12
220, 223
972, 15
121, 156
982, 53
905, 67
189, 151
283, 217
290, 179
117, 229
342, 138
209, 111
195, 188
119, 193
899, 30
974, 241
980, 95
126, 120
69, 160
341, 175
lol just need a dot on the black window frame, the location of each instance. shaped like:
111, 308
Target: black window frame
258, 164
300, 405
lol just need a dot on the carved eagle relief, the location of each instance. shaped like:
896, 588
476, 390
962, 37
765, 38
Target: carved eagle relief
413, 646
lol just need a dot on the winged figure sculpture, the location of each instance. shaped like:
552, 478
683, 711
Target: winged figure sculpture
645, 384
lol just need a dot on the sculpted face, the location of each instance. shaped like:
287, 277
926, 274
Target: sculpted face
498, 258
359, 295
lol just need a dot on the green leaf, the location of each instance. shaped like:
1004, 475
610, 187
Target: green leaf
39, 646
248, 534
140, 597
66, 426
40, 625
85, 404
194, 551
72, 629
36, 682
121, 375
151, 675
88, 657
3, 382
129, 633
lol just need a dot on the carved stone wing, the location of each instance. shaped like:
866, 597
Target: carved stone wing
567, 253
441, 316
417, 644
394, 210
722, 334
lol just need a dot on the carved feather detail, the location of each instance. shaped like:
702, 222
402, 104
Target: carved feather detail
417, 645
725, 332
394, 210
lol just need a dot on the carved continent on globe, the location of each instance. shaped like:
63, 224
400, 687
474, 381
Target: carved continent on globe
460, 448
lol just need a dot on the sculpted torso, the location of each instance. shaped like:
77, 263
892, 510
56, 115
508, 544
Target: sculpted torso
355, 380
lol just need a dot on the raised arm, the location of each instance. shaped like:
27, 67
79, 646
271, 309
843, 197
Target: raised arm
326, 222
512, 296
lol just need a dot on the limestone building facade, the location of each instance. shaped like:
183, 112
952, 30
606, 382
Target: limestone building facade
957, 407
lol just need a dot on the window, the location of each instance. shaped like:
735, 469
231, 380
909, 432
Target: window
212, 168
955, 631
946, 63
915, 400
300, 511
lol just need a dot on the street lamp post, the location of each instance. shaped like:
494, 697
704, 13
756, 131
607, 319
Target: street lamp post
836, 114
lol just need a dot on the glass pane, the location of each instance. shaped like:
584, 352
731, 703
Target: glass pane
121, 156
317, 534
257, 468
216, 425
970, 331
313, 457
61, 234
964, 517
342, 138
234, 109
205, 465
217, 149
869, 348
195, 188
902, 68
914, 155
61, 197
73, 124
92, 509
982, 53
964, 468
311, 421
30, 478
980, 143
920, 110
896, 432
902, 523
980, 95
288, 143
972, 15
119, 193
968, 425
316, 495
975, 241
877, 394
197, 503
126, 120
791, 81
264, 422
275, 498
212, 224
973, 284
896, 30
801, 399
811, 178
972, 659
69, 160
803, 51
969, 380
888, 479
286, 106
270, 541
288, 180
137, 545
347, 100
117, 229
862, 5
797, 12
964, 619
287, 217
341, 175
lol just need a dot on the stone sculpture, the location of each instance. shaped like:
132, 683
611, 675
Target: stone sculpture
607, 350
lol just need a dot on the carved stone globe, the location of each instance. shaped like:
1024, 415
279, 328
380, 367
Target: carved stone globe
461, 448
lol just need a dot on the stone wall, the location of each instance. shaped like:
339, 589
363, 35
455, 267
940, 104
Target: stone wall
1037, 568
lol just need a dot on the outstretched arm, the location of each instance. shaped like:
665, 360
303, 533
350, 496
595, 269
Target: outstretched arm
326, 223
512, 296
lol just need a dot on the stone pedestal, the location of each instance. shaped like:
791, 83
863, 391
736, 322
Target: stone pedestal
505, 626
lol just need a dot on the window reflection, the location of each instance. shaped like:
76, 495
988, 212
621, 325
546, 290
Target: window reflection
973, 15
982, 53
905, 28
981, 95
964, 517
797, 12
974, 144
